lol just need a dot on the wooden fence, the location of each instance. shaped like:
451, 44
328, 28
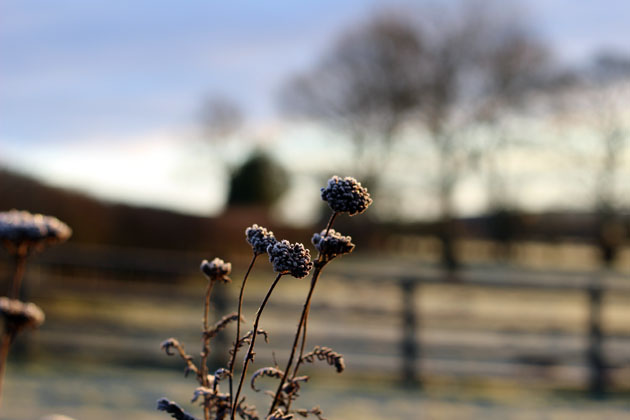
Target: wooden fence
415, 336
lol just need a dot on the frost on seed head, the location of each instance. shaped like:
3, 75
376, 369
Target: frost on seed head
332, 245
20, 315
217, 269
19, 228
346, 195
259, 238
288, 258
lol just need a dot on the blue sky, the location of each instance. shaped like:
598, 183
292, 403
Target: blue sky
91, 85
116, 67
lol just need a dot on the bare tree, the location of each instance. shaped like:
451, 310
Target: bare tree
607, 85
220, 117
364, 87
518, 65
594, 99
450, 68
481, 60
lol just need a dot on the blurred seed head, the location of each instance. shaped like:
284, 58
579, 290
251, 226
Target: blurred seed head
217, 269
21, 228
20, 315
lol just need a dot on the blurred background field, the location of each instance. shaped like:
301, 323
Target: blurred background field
501, 342
491, 277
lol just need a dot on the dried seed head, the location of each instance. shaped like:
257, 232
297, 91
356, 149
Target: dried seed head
259, 238
216, 269
34, 230
346, 195
288, 258
20, 315
332, 245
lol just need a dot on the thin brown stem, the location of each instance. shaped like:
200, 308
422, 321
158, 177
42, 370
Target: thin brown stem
238, 329
20, 265
250, 350
190, 365
305, 309
7, 339
298, 363
330, 222
205, 348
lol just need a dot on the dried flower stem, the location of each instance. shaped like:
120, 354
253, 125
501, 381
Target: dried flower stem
250, 350
205, 350
20, 265
319, 265
9, 334
330, 222
190, 365
238, 328
316, 272
7, 339
299, 359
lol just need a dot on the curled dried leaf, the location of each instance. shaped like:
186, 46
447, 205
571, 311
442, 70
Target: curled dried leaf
279, 415
218, 376
316, 411
202, 392
326, 353
246, 412
246, 340
173, 409
271, 372
222, 324
172, 344
168, 345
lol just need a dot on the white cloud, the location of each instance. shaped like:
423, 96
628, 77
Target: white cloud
153, 169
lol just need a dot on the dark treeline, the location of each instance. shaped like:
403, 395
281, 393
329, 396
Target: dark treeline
110, 224
100, 222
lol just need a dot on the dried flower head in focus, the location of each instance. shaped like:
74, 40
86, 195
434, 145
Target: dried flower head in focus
288, 258
217, 269
332, 244
346, 195
259, 238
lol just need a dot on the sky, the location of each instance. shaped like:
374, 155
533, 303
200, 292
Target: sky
101, 95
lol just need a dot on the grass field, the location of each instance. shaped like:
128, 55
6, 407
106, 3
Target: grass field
487, 352
98, 393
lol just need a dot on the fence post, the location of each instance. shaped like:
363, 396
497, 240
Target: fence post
409, 343
595, 355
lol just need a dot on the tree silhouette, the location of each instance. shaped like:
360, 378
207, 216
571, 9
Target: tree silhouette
259, 181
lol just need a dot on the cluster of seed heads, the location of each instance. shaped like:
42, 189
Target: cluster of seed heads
288, 258
259, 238
217, 269
343, 195
332, 244
346, 195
